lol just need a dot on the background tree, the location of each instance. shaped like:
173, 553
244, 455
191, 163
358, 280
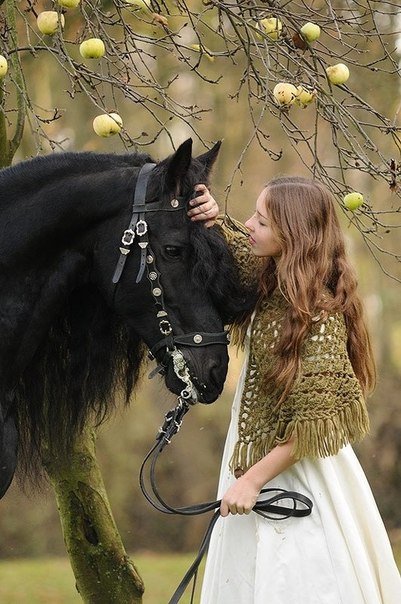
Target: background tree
209, 69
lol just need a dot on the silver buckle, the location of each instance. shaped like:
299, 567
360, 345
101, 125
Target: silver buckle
141, 228
128, 237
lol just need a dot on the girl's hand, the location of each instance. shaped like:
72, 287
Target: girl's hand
203, 207
240, 497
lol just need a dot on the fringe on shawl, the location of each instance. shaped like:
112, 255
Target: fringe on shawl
318, 438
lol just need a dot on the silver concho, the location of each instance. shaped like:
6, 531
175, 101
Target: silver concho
198, 338
174, 203
165, 327
152, 275
149, 259
157, 291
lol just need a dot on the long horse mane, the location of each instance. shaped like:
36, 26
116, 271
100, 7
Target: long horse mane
90, 356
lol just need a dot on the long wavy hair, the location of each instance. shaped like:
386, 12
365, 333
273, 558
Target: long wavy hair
313, 255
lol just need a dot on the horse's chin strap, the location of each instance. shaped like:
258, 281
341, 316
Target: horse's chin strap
138, 230
270, 507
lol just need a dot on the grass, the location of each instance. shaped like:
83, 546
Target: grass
51, 581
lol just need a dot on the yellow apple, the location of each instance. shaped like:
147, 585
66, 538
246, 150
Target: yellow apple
140, 4
68, 3
47, 22
3, 66
310, 31
93, 48
353, 200
107, 124
272, 27
285, 93
338, 74
305, 97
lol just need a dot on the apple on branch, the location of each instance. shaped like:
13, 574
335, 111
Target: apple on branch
285, 93
353, 200
310, 32
47, 22
337, 74
93, 48
305, 97
3, 66
107, 124
68, 3
272, 27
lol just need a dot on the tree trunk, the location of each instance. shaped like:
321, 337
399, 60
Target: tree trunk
104, 574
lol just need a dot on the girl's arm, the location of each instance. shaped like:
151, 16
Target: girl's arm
242, 495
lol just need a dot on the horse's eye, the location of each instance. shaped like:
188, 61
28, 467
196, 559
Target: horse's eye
173, 251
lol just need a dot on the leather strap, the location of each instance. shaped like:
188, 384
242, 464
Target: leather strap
265, 506
137, 207
197, 339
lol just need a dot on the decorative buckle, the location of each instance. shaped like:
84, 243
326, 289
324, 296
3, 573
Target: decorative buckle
165, 327
128, 237
141, 228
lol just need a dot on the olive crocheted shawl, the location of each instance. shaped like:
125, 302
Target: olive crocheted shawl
325, 408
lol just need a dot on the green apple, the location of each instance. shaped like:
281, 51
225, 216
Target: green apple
47, 22
310, 32
353, 200
272, 27
107, 124
3, 66
68, 3
338, 74
140, 4
285, 93
93, 48
305, 97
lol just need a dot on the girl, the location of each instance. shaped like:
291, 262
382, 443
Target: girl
300, 402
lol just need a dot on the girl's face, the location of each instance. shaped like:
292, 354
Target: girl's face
263, 240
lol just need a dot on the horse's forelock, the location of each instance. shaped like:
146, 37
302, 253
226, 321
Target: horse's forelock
213, 268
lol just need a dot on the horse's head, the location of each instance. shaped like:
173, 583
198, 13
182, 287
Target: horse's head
187, 274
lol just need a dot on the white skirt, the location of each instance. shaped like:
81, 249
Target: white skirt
340, 554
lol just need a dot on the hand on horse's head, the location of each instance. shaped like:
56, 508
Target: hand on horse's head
204, 207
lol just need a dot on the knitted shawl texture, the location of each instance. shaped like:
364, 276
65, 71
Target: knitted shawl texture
325, 408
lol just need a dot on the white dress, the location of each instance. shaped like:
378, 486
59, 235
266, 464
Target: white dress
340, 554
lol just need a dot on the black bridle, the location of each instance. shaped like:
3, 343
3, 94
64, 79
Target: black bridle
266, 507
138, 230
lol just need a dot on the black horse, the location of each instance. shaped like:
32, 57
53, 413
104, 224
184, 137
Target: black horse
69, 336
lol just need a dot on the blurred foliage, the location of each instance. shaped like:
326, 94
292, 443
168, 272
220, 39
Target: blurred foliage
216, 104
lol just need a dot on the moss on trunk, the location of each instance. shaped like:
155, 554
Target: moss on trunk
104, 573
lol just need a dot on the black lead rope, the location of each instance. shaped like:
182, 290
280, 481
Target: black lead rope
266, 507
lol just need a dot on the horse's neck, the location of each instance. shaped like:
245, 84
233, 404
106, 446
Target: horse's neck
39, 222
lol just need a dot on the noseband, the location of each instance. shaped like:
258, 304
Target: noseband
138, 230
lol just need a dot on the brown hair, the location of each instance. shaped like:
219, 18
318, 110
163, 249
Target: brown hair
313, 255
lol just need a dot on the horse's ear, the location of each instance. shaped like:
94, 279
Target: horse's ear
208, 158
178, 164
